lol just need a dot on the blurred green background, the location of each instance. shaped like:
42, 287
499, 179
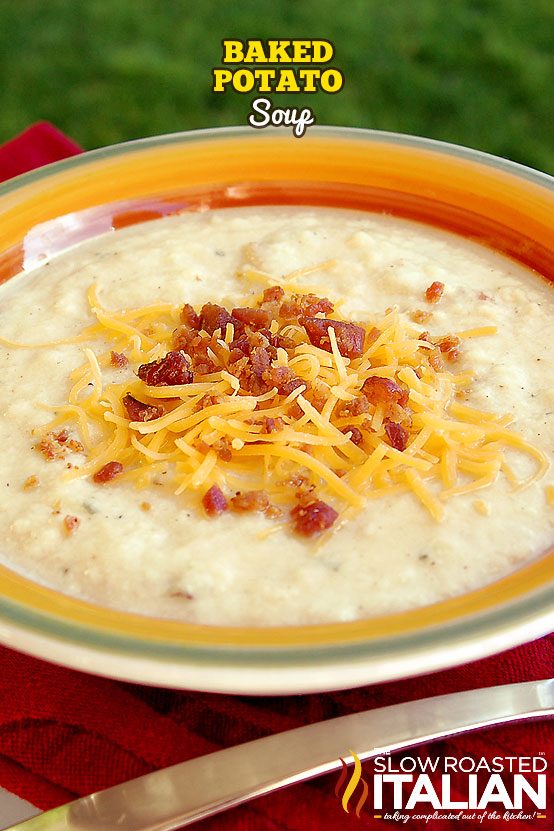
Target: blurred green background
475, 72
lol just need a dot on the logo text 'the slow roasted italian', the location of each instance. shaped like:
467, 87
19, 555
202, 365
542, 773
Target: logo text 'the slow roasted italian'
297, 66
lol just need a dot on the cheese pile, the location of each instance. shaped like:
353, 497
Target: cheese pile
450, 448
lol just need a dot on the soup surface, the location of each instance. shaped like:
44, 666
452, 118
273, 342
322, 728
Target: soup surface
146, 549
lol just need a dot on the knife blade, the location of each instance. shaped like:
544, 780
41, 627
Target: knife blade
14, 809
184, 793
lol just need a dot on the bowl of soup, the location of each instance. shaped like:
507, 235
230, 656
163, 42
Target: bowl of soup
277, 414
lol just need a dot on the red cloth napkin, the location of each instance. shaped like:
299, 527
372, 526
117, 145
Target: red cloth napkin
65, 734
40, 144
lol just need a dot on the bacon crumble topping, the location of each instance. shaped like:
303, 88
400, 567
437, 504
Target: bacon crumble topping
172, 370
118, 359
398, 435
108, 472
55, 445
313, 518
379, 390
449, 346
434, 292
277, 395
250, 501
139, 411
350, 338
214, 502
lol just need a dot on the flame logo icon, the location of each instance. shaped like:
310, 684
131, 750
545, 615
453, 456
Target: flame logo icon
355, 779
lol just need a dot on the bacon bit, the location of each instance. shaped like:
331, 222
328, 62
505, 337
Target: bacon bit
196, 346
320, 395
260, 361
272, 425
262, 338
447, 343
313, 518
30, 483
75, 446
54, 445
273, 512
305, 304
47, 445
145, 506
189, 317
256, 318
70, 524
398, 436
356, 407
214, 317
384, 391
295, 411
118, 359
273, 294
350, 338
282, 341
239, 348
223, 449
290, 309
239, 366
419, 316
245, 344
449, 347
204, 368
283, 378
49, 449
250, 501
107, 473
170, 371
139, 411
356, 437
214, 502
252, 370
186, 339
312, 305
434, 292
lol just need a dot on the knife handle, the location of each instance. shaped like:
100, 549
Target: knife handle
174, 797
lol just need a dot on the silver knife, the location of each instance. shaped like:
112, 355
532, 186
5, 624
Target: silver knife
179, 795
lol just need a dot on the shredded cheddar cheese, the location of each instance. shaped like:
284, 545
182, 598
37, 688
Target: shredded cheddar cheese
321, 417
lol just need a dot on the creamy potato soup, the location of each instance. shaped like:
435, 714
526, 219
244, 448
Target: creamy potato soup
275, 415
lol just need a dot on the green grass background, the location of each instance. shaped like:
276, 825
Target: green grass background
475, 72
